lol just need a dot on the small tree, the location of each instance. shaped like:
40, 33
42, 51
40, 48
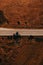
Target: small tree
31, 37
26, 24
16, 37
3, 19
18, 23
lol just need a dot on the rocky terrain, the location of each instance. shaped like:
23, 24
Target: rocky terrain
21, 13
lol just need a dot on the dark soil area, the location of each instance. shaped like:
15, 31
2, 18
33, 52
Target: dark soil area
26, 51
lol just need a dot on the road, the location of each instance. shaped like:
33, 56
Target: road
22, 32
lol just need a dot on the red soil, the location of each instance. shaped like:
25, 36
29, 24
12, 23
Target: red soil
29, 11
25, 52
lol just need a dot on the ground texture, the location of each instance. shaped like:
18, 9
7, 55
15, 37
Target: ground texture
24, 51
22, 13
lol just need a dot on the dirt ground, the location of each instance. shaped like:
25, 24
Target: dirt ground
26, 51
22, 13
